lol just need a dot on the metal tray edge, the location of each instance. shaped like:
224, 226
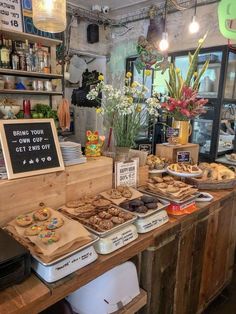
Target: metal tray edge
95, 239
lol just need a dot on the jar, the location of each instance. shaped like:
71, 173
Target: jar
9, 82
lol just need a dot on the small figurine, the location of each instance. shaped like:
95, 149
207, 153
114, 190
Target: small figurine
94, 144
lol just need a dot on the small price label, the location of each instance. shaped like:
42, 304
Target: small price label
172, 132
183, 157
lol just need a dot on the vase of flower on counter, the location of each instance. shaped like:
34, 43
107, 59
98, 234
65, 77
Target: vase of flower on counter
183, 103
125, 109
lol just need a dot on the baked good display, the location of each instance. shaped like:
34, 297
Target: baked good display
49, 236
215, 172
24, 220
156, 163
119, 192
170, 188
141, 205
42, 214
182, 168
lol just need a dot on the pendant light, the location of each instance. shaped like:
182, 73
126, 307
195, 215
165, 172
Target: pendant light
49, 15
164, 43
194, 25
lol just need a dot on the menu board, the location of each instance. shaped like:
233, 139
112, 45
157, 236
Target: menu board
30, 147
11, 15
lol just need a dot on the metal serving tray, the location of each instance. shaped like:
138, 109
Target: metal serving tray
103, 234
187, 199
150, 212
94, 240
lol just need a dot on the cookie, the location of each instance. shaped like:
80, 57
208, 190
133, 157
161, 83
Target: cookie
141, 209
125, 216
101, 203
117, 220
151, 205
94, 220
104, 215
113, 211
42, 214
148, 199
24, 220
74, 204
180, 184
173, 189
114, 194
33, 230
168, 179
106, 224
54, 223
127, 193
84, 208
49, 236
158, 179
136, 202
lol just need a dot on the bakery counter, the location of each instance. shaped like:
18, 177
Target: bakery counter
182, 265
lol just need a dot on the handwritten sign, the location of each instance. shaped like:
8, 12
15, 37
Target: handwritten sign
126, 173
30, 147
11, 15
183, 157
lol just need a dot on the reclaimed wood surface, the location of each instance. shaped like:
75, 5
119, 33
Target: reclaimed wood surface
170, 152
21, 298
93, 177
159, 255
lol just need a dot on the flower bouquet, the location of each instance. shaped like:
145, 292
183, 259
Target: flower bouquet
126, 109
183, 103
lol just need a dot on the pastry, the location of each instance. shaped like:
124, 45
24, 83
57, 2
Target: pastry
49, 236
101, 203
85, 208
168, 179
104, 215
113, 211
135, 203
117, 220
151, 205
115, 194
24, 220
141, 209
85, 214
106, 224
94, 220
42, 214
54, 223
74, 204
173, 189
120, 188
33, 230
161, 185
158, 180
127, 193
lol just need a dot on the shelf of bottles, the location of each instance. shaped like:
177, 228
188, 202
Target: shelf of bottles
28, 56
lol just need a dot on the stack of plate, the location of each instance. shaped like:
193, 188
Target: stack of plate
71, 153
3, 171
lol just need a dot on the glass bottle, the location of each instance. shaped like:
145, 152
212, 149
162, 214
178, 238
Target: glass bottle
15, 58
5, 56
47, 61
40, 58
27, 108
29, 58
22, 57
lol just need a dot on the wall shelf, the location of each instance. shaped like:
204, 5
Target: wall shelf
30, 74
29, 92
15, 35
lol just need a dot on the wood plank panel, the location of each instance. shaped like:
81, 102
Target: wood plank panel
23, 195
92, 177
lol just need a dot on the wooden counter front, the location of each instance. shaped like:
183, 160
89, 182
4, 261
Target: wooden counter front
182, 265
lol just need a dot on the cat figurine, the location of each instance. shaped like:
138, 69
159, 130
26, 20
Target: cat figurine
94, 144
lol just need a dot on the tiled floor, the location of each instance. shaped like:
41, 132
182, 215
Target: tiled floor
226, 302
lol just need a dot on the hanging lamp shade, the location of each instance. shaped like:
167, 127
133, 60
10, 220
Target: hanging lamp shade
49, 15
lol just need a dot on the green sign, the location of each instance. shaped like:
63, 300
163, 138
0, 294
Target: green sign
227, 17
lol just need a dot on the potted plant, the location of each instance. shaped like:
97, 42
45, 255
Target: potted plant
124, 109
183, 104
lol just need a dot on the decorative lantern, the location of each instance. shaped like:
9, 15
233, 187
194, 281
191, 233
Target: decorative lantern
49, 15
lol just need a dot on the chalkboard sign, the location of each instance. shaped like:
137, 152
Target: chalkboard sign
30, 147
183, 157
